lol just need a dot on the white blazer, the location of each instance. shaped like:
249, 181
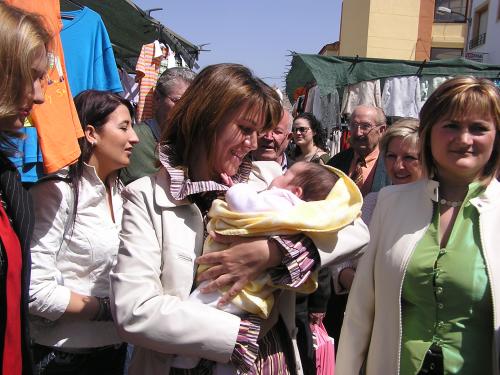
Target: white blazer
372, 325
154, 273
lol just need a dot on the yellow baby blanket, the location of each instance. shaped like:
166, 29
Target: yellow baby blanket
321, 219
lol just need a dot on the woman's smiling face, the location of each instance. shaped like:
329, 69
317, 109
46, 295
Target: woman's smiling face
402, 161
461, 148
234, 140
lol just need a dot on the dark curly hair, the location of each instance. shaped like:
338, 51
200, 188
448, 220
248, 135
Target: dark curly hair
320, 134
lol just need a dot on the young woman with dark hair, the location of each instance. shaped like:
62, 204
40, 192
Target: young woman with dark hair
75, 240
310, 138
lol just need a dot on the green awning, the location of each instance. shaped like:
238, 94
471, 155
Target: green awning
332, 73
129, 28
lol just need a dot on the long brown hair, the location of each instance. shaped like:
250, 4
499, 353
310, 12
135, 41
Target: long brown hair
216, 92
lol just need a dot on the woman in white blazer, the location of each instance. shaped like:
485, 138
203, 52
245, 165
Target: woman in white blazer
208, 137
425, 293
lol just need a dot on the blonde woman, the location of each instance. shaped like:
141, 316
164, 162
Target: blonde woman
23, 63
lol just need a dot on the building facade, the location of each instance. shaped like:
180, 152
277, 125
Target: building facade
484, 35
404, 29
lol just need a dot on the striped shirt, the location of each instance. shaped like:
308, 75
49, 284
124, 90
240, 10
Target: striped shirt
148, 70
269, 354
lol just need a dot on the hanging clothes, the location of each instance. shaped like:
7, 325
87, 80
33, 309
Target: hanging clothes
28, 160
166, 56
365, 92
298, 106
90, 62
56, 120
147, 73
171, 60
334, 141
428, 84
327, 110
309, 98
401, 96
183, 62
130, 86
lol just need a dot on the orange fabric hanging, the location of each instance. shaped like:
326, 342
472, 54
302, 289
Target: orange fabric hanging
56, 120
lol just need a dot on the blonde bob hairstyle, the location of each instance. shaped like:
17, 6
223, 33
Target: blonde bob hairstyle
217, 92
455, 99
405, 128
21, 36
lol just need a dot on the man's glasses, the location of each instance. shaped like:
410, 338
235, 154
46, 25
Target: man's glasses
301, 129
365, 128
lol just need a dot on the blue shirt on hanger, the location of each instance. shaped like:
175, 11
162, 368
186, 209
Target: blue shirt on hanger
88, 54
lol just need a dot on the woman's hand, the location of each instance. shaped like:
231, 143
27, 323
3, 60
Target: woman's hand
242, 262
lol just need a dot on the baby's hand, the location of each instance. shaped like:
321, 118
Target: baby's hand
226, 180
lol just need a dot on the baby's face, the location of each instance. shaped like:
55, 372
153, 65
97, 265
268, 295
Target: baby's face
285, 181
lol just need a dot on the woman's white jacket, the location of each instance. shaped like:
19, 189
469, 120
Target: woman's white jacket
153, 276
372, 326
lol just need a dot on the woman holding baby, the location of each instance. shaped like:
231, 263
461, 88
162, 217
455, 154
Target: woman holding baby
205, 144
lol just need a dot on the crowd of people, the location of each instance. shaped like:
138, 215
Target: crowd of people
193, 243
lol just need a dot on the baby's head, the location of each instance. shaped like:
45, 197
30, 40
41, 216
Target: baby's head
308, 181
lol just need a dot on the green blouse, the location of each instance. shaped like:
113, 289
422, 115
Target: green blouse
446, 298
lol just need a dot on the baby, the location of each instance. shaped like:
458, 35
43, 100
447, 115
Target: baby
303, 199
302, 182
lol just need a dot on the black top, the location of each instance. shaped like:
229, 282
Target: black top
18, 206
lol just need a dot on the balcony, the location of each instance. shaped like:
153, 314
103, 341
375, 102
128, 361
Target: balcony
477, 41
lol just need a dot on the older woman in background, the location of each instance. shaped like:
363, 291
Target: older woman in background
400, 147
423, 300
23, 63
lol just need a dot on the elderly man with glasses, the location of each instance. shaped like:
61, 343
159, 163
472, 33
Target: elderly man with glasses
363, 164
361, 161
168, 91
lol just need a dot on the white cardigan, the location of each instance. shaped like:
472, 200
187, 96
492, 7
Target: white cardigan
154, 273
372, 323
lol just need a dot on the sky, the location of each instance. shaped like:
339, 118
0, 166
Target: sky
257, 33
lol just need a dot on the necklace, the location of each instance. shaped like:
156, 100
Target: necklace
450, 203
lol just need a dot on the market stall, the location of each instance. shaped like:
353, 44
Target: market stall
330, 87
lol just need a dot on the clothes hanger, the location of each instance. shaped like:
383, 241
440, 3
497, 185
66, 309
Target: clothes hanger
75, 3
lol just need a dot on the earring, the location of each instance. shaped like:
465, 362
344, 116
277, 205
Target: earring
93, 143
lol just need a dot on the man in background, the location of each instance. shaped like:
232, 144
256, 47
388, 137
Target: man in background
168, 91
271, 146
362, 161
364, 164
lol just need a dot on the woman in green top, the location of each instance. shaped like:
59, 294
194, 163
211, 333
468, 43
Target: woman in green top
425, 294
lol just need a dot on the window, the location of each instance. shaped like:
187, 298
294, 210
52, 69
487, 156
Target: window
479, 27
445, 53
450, 11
